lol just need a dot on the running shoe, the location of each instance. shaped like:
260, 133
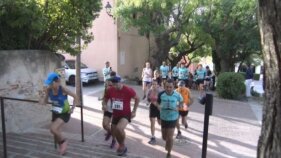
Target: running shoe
152, 141
178, 135
63, 147
107, 136
122, 152
143, 97
168, 155
113, 142
186, 126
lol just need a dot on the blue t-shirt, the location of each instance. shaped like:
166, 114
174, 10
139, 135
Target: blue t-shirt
183, 73
164, 71
201, 74
175, 72
169, 105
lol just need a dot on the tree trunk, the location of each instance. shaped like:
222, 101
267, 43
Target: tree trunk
162, 52
269, 144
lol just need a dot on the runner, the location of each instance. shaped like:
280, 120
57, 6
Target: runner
60, 107
168, 102
146, 78
200, 73
183, 73
153, 110
208, 77
157, 77
175, 73
183, 111
120, 97
108, 114
164, 69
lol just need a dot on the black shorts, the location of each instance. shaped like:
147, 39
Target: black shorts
168, 124
200, 81
153, 111
65, 117
108, 114
175, 78
183, 113
117, 119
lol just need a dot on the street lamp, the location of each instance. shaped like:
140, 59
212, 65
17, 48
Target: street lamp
108, 8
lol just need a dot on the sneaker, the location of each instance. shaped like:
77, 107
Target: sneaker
178, 135
152, 141
143, 97
63, 147
113, 142
107, 136
168, 155
122, 152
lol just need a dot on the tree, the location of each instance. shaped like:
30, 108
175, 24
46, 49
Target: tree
269, 144
164, 19
233, 27
46, 24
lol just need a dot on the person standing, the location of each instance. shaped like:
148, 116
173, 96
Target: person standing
249, 78
154, 112
120, 96
168, 102
60, 107
146, 78
106, 71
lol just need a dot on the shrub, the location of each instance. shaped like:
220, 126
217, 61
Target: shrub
231, 85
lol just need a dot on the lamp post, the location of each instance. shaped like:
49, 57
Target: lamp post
108, 8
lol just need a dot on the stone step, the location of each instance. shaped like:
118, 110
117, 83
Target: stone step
40, 145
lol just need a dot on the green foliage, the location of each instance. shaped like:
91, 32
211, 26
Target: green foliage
46, 24
233, 26
230, 85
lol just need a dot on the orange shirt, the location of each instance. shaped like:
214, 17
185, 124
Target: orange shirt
185, 93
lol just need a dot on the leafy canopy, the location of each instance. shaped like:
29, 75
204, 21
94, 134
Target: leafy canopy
46, 24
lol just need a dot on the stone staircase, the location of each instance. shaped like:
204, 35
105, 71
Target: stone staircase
41, 145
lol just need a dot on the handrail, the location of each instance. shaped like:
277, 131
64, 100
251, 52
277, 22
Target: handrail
32, 101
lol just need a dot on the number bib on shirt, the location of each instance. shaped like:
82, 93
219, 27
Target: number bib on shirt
57, 110
117, 105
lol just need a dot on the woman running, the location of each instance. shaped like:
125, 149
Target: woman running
60, 107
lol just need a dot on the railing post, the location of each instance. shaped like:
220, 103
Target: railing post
3, 128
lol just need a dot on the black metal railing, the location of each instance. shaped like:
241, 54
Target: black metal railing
31, 101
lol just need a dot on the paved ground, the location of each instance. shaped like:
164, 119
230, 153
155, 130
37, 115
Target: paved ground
233, 132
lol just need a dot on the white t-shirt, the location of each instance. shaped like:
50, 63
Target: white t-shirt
147, 75
106, 73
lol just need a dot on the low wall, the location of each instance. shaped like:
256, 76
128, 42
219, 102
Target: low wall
22, 74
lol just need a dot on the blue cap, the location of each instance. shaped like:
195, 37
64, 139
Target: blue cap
51, 77
115, 79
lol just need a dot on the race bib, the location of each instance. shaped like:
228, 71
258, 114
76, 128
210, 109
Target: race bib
117, 105
57, 110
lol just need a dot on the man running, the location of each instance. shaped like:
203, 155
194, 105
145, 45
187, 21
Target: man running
108, 114
120, 97
168, 102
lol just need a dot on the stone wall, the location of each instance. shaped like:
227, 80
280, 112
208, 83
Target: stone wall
22, 74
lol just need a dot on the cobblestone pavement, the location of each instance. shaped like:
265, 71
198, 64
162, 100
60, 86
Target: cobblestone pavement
233, 133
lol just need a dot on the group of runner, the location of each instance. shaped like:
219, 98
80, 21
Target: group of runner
166, 94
